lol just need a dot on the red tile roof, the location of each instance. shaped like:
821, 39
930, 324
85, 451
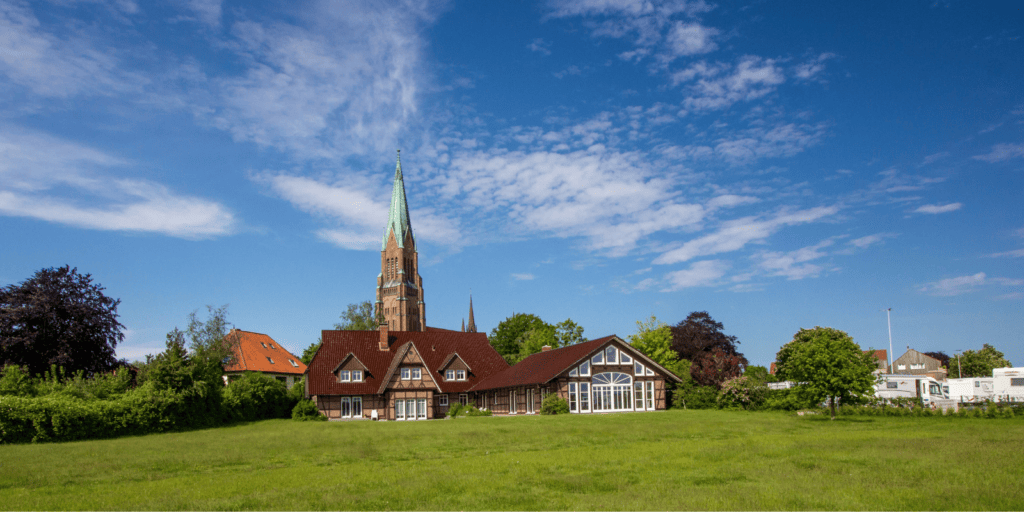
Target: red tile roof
881, 357
254, 352
541, 367
434, 346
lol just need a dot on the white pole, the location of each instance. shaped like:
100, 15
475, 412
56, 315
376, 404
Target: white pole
888, 321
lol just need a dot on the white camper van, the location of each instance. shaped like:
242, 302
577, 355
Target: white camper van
970, 389
929, 390
1008, 384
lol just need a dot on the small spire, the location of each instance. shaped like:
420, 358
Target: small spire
472, 323
463, 325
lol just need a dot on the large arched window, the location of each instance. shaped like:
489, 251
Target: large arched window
613, 391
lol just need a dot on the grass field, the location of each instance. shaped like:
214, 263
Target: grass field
665, 460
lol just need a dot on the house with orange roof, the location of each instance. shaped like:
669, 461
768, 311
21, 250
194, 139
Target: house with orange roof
258, 352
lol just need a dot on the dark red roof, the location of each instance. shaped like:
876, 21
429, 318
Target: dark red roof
256, 352
541, 367
435, 347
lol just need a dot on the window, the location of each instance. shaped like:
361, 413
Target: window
650, 395
572, 397
638, 369
598, 359
585, 369
611, 355
1017, 381
612, 391
417, 373
638, 394
449, 375
977, 383
292, 361
399, 409
346, 407
529, 401
648, 371
357, 407
901, 367
357, 375
624, 358
584, 397
463, 398
917, 366
406, 374
575, 372
273, 347
891, 385
343, 376
442, 400
271, 360
460, 375
512, 402
264, 344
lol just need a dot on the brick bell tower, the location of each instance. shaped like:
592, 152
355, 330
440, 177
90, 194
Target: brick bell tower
399, 285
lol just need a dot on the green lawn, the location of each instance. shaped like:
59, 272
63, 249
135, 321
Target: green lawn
665, 460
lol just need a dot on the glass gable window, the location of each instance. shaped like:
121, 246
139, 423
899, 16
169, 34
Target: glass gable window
575, 372
585, 369
611, 355
612, 391
638, 369
598, 358
649, 371
624, 358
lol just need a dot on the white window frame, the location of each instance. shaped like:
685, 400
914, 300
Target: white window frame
406, 373
625, 358
449, 375
585, 369
638, 396
648, 371
460, 374
293, 363
357, 375
512, 409
346, 407
901, 367
575, 372
573, 404
417, 374
649, 395
529, 401
615, 355
598, 358
421, 408
463, 399
357, 403
638, 369
442, 400
399, 410
585, 397
344, 376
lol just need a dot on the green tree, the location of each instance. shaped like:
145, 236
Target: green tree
307, 355
510, 335
358, 317
978, 363
654, 338
828, 365
59, 317
568, 333
758, 373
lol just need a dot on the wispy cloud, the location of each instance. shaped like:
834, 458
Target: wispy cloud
540, 46
794, 265
965, 284
930, 159
700, 273
1002, 153
1018, 253
812, 69
37, 169
735, 234
939, 208
719, 86
523, 277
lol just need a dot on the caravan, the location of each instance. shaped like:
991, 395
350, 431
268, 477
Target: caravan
930, 391
970, 389
1008, 384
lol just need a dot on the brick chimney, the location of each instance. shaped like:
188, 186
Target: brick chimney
383, 343
545, 348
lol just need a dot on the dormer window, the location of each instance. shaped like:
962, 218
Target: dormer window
460, 374
357, 375
449, 375
264, 344
344, 376
292, 361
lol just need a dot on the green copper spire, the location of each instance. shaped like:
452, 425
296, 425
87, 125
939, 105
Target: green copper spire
398, 216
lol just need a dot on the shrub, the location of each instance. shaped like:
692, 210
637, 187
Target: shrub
16, 381
696, 397
255, 396
743, 393
554, 404
306, 410
453, 409
457, 409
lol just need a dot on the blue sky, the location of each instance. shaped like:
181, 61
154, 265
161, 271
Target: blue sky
778, 164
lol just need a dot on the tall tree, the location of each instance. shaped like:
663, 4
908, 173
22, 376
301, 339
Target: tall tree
510, 335
358, 317
828, 365
979, 363
713, 354
59, 317
568, 333
654, 339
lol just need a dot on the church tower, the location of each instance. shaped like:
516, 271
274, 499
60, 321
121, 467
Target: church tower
399, 285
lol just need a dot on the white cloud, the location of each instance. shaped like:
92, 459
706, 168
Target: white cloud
793, 265
867, 241
747, 146
965, 284
523, 277
939, 208
930, 159
730, 200
811, 69
700, 273
540, 46
208, 11
720, 86
690, 39
35, 166
1018, 253
735, 234
1002, 153
361, 208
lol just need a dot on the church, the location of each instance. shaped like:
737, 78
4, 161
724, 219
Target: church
406, 370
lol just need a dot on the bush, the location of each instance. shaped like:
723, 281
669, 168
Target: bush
743, 393
457, 409
695, 397
453, 409
256, 396
16, 381
553, 404
306, 410
787, 400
